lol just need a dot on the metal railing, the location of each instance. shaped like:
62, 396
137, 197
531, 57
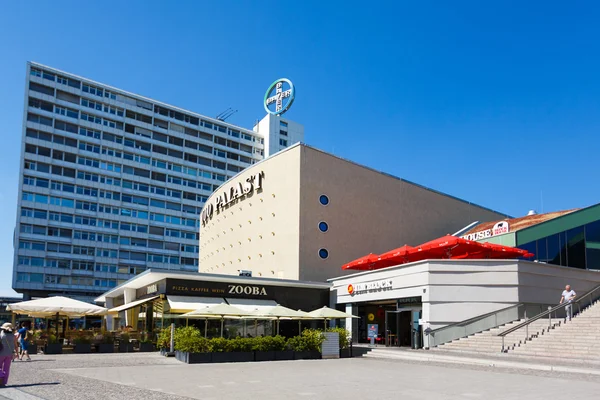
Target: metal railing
481, 323
583, 301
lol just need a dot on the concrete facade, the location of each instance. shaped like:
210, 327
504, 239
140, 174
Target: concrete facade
277, 231
453, 291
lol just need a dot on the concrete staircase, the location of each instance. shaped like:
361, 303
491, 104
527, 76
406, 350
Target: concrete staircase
488, 342
576, 339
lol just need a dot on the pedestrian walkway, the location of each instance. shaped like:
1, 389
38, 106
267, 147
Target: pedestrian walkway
500, 360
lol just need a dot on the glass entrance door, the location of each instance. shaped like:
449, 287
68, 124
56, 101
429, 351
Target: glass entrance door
391, 328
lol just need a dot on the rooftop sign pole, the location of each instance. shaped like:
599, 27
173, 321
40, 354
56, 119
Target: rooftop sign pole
279, 95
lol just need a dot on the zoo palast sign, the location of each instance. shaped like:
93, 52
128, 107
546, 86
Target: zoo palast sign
231, 194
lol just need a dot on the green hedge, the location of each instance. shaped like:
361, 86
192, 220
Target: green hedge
191, 340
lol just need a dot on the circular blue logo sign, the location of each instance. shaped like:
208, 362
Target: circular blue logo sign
279, 96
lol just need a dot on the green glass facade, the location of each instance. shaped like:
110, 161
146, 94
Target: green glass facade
571, 240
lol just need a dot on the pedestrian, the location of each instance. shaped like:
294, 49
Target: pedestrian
23, 335
8, 346
567, 296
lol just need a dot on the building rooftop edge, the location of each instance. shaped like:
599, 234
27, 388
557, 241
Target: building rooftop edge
213, 277
302, 144
125, 92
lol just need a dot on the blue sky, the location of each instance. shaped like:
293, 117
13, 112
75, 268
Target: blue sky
493, 102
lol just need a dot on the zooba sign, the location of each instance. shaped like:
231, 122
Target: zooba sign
218, 289
231, 194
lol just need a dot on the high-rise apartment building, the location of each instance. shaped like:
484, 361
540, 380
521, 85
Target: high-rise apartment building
112, 183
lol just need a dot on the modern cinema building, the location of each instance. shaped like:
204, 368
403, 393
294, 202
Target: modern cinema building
302, 213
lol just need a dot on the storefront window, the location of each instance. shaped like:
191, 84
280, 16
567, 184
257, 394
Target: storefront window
542, 248
530, 247
576, 248
592, 232
553, 250
593, 258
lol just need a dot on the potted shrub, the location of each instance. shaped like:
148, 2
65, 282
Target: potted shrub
53, 345
266, 347
34, 338
232, 350
125, 345
82, 344
145, 344
345, 339
307, 346
191, 347
106, 343
163, 341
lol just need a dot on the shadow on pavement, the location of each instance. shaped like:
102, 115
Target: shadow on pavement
33, 384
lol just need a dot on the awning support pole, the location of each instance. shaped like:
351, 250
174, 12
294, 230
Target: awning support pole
205, 326
255, 328
222, 322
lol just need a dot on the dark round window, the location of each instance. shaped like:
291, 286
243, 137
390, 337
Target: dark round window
324, 200
323, 253
323, 227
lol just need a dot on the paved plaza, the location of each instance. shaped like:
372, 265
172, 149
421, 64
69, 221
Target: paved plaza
150, 376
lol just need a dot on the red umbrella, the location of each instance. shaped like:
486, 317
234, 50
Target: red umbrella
500, 251
494, 251
395, 257
445, 247
362, 263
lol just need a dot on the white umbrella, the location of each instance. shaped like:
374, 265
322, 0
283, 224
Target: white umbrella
279, 312
56, 306
223, 311
50, 306
326, 313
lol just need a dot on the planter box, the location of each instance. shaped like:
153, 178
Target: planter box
264, 356
307, 355
193, 358
146, 347
233, 357
345, 353
126, 347
284, 355
105, 348
32, 349
53, 348
81, 348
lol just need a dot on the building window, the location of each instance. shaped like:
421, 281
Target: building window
283, 123
283, 142
282, 132
323, 253
323, 227
324, 200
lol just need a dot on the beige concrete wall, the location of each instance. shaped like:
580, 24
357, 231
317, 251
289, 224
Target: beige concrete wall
369, 212
258, 233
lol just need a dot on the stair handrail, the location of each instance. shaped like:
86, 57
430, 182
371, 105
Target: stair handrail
549, 312
468, 321
520, 308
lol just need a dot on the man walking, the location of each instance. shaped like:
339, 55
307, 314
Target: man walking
567, 296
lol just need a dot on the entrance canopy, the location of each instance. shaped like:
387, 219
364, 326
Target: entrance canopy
182, 304
127, 306
58, 305
251, 304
